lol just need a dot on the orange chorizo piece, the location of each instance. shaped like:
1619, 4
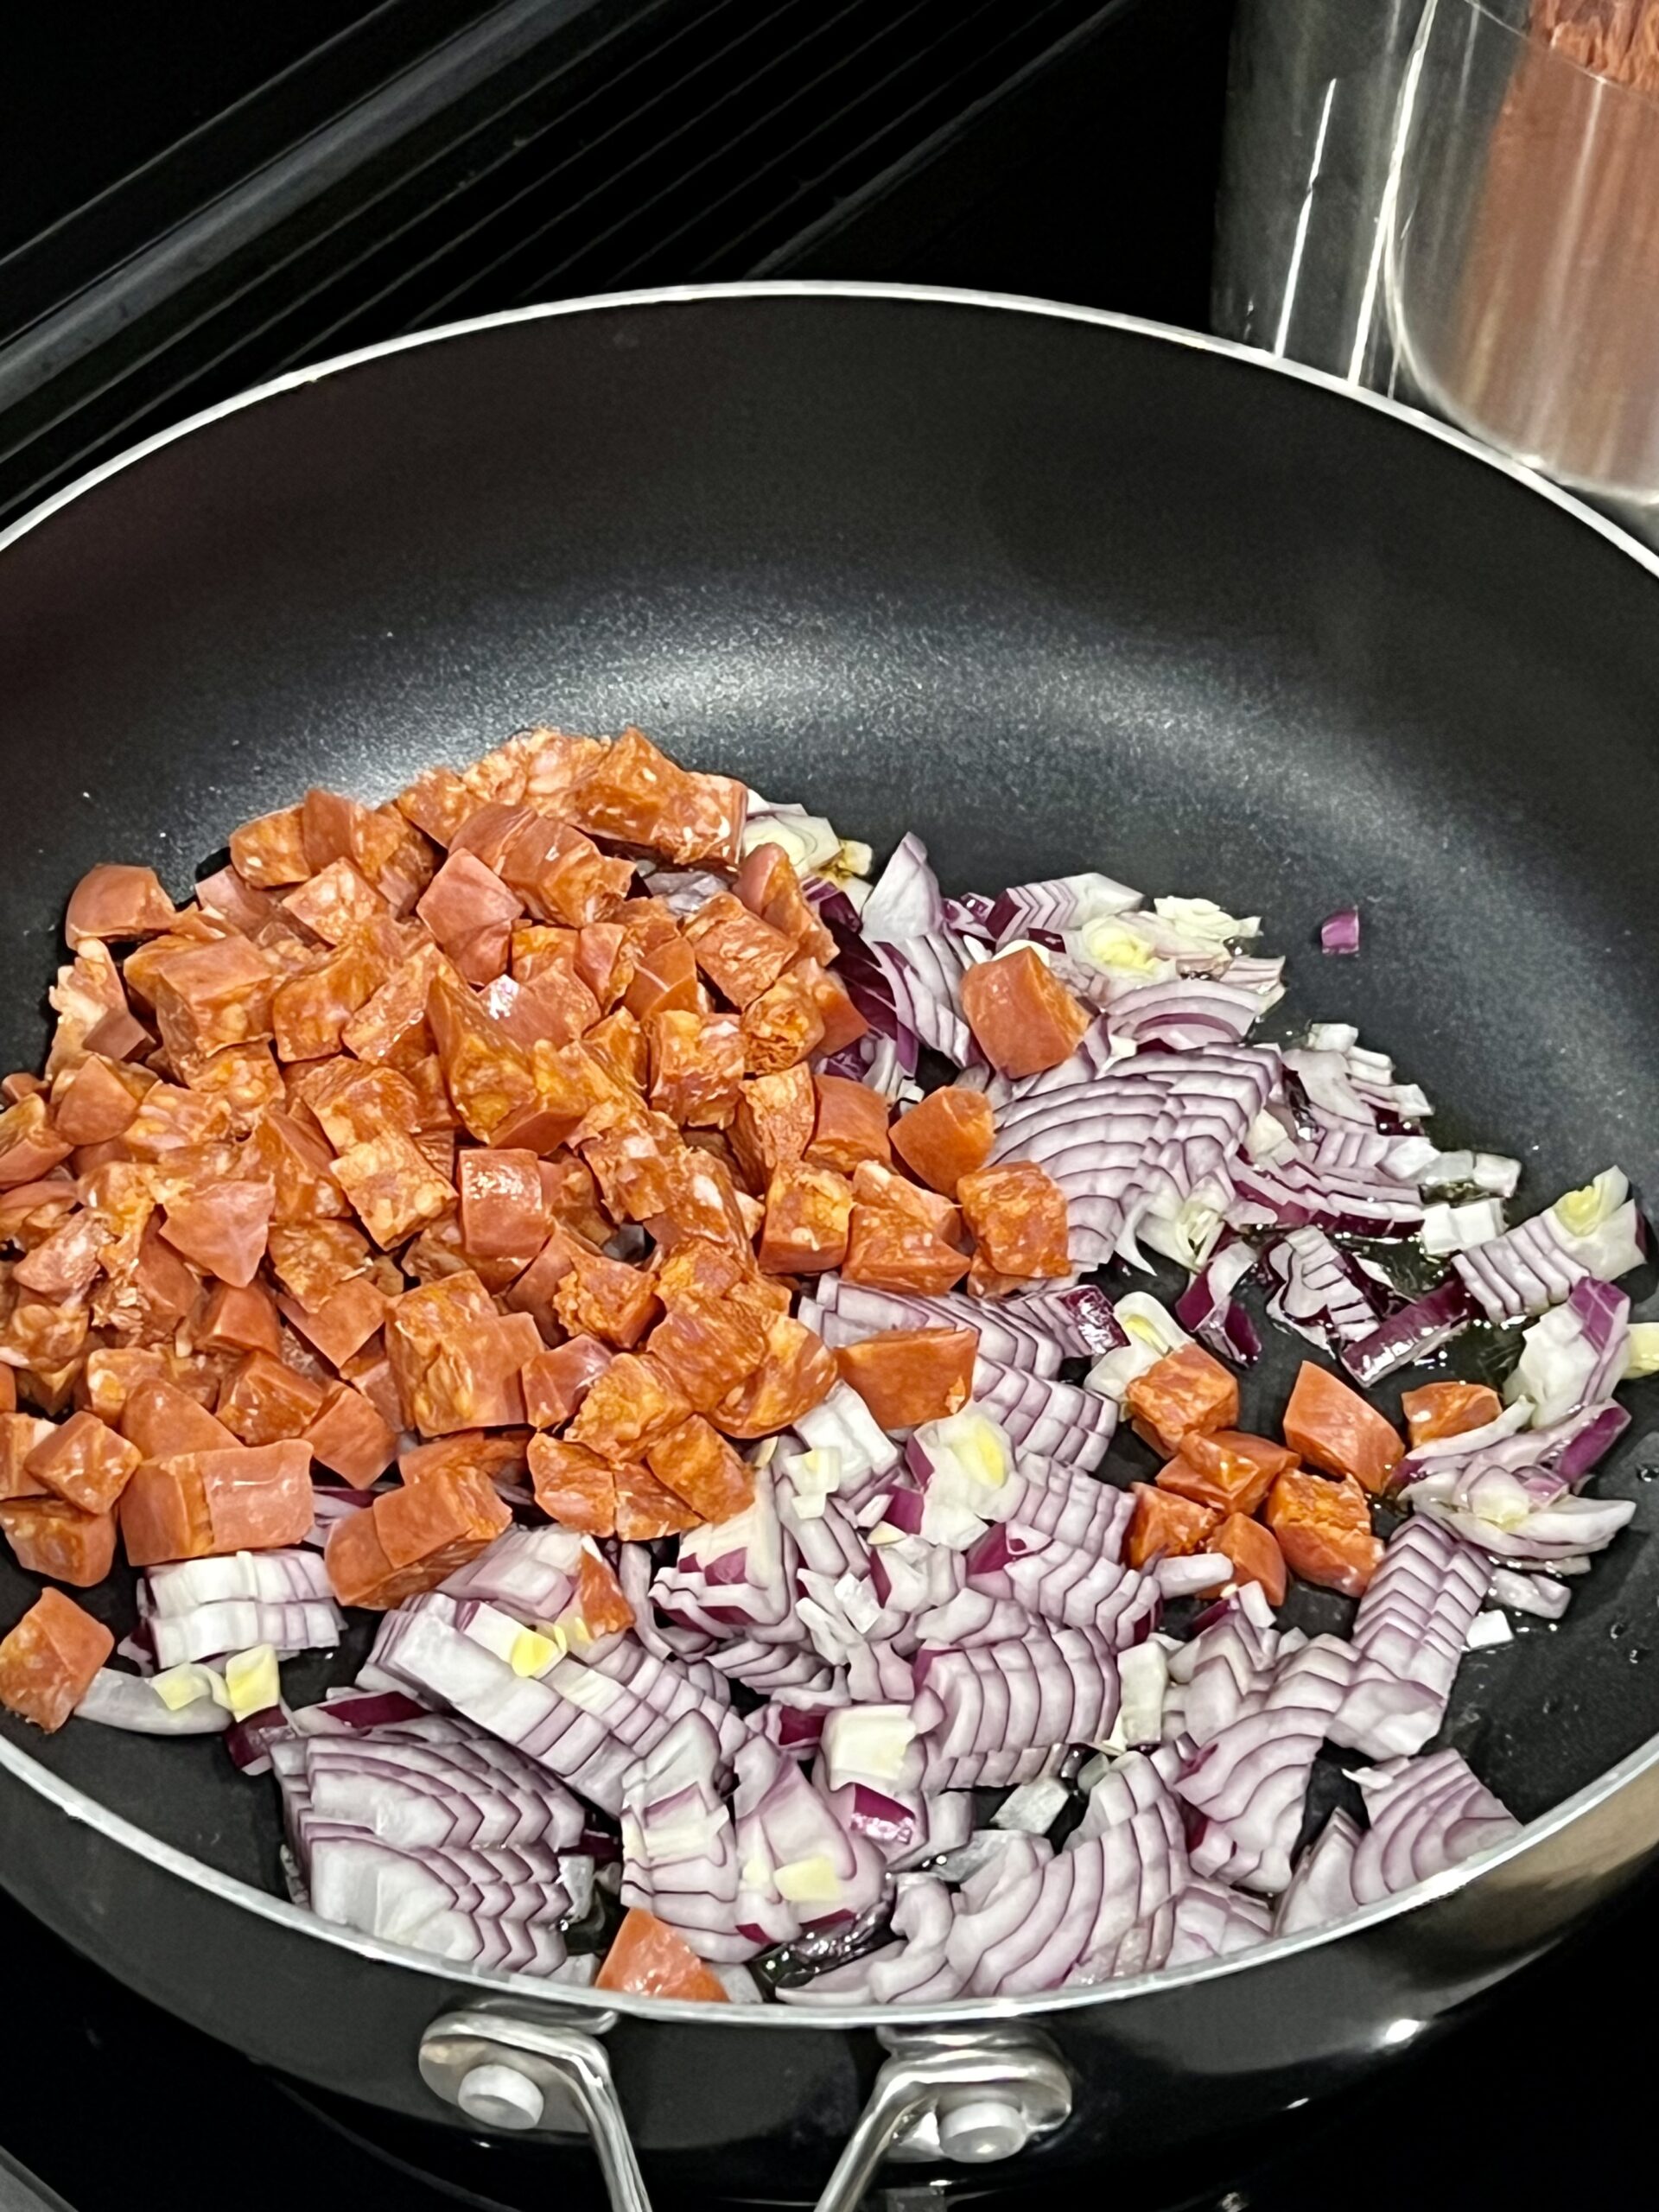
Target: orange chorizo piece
212, 995
808, 1211
117, 903
314, 1259
227, 896
488, 1075
571, 1196
710, 1347
631, 1163
309, 1012
772, 1123
740, 954
703, 1202
351, 1103
540, 951
224, 1228
413, 1538
1225, 1468
335, 902
236, 1318
1323, 1531
469, 1378
647, 1509
47, 1662
1017, 1214
296, 1163
786, 1022
65, 1263
697, 1066
906, 1377
342, 1321
555, 761
632, 1400
600, 1607
573, 1486
96, 1102
768, 886
638, 797
162, 1419
556, 1006
350, 1437
266, 1401
1337, 1430
393, 1186
171, 1119
437, 802
606, 1298
562, 876
269, 852
664, 981
390, 1028
30, 1146
850, 1125
1186, 1390
618, 1044
1255, 1554
947, 1135
650, 1959
1023, 1018
471, 913
605, 960
797, 1373
1164, 1526
61, 1542
41, 1335
19, 1434
1440, 1409
84, 1462
558, 1380
901, 1237
504, 1212
245, 1078
698, 1464
193, 1504
501, 1456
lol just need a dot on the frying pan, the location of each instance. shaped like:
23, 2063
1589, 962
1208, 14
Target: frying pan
1058, 590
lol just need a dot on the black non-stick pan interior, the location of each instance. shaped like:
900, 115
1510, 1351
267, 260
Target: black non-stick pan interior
1055, 594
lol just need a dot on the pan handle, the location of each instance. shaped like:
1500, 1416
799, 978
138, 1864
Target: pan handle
964, 2098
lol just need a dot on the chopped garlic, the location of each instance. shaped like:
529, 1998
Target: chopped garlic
252, 1683
867, 1743
809, 1881
532, 1654
177, 1687
1108, 942
1642, 1355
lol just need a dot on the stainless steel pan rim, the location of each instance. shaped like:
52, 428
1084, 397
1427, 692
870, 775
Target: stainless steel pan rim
523, 1989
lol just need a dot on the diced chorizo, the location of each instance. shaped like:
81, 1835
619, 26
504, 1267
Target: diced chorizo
334, 827
1255, 1554
1323, 1531
212, 995
314, 1259
174, 1119
570, 1198
19, 1434
51, 1538
42, 1336
342, 1321
30, 1147
30, 1211
197, 1504
309, 1012
556, 1006
650, 1959
489, 1079
162, 1419
412, 1539
768, 886
633, 1400
1023, 1018
605, 962
702, 1202
111, 1374
1334, 1428
335, 901
888, 1248
1186, 1390
265, 1401
228, 897
637, 796
244, 1078
773, 1121
1017, 1214
117, 903
539, 950
84, 1462
601, 1297
573, 1486
47, 1662
296, 1163
238, 1317
700, 1466
63, 1265
1225, 1468
1452, 1408
8, 1391
393, 1187
562, 876
471, 913
946, 1136
117, 1035
797, 1373
906, 1377
350, 1437
224, 1228
1165, 1525
437, 802
710, 1347
504, 1212
391, 1028
850, 1125
703, 821
353, 1102
456, 1360
500, 1456
697, 1066
740, 954
270, 851
600, 1606
808, 1212
633, 1165
783, 1024
664, 981
841, 1022
646, 923
555, 763
646, 1508
558, 1380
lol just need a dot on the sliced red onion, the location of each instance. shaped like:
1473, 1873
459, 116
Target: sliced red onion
1322, 1888
1534, 1266
1322, 1293
436, 1903
1186, 1014
736, 1578
1481, 1170
679, 1844
277, 1578
239, 1624
1227, 1668
1538, 1594
1080, 1321
994, 1699
132, 1702
1413, 1333
1212, 1922
1061, 902
1293, 1194
1207, 1308
1339, 932
798, 1865
530, 1572
1192, 1574
1426, 1815
846, 1313
842, 1422
1574, 1355
344, 1710
1054, 1420
904, 901
1408, 1638
416, 1792
250, 1741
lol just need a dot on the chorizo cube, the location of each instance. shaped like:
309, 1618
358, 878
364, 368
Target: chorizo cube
245, 1078
946, 1136
84, 1462
309, 1012
47, 1662
555, 763
556, 1381
19, 1435
352, 1102
710, 1347
499, 1456
52, 1538
631, 1162
1017, 1214
236, 1318
533, 1292
539, 950
173, 1120
768, 886
808, 1212
1186, 1390
488, 1075
783, 1024
797, 1373
703, 820
605, 957
97, 1101
228, 897
471, 913
562, 876
1225, 1468
573, 1486
600, 1607
906, 1377
1323, 1527
571, 1198
556, 1006
646, 1508
30, 1147
701, 1202
840, 1022
456, 1368
740, 954
117, 903
887, 1250
504, 1211
624, 790
489, 830
162, 1420
426, 1530
700, 1466
266, 1401
314, 1259
224, 1228
350, 1437
437, 802
1023, 1018
390, 1028
269, 852
1255, 1554
393, 1186
697, 1066
296, 1163
212, 995
335, 901
664, 981
1165, 1525
772, 1123
850, 1125
258, 1498
632, 1400
1336, 1429
606, 1298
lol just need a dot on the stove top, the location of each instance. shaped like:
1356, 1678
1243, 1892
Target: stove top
182, 2123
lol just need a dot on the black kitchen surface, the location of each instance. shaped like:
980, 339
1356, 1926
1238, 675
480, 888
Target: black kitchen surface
1536, 2097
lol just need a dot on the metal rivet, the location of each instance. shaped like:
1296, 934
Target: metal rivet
984, 2129
501, 2096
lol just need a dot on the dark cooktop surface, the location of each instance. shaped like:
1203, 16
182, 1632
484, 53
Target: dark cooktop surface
1541, 2098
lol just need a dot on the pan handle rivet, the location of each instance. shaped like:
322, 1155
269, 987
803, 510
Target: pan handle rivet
501, 2096
983, 2129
